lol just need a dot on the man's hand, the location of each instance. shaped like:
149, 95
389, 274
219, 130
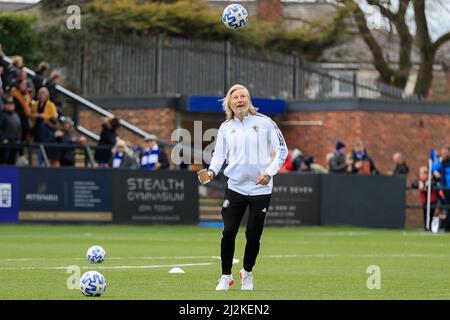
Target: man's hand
263, 180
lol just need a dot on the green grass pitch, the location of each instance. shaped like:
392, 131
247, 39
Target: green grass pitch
294, 263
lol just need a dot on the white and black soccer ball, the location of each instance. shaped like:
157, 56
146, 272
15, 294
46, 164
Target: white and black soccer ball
235, 16
96, 254
92, 284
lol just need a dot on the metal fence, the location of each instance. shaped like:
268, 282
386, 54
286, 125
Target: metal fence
170, 66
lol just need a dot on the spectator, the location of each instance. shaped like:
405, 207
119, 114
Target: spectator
22, 76
441, 171
108, 137
42, 110
153, 157
11, 73
305, 165
400, 165
361, 162
55, 79
288, 164
10, 131
422, 185
338, 162
2, 91
40, 77
22, 101
17, 62
123, 157
297, 158
48, 133
3, 66
67, 155
328, 157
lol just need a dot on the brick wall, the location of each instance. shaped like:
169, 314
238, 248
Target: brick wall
158, 121
269, 10
382, 133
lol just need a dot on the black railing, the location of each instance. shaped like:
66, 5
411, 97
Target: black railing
164, 66
40, 151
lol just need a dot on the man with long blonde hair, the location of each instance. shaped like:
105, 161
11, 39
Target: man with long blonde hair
254, 149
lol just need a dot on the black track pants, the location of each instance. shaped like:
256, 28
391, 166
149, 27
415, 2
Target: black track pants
233, 210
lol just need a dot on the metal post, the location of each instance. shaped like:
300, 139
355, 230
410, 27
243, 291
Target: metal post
89, 156
76, 110
158, 64
44, 155
30, 155
82, 71
355, 85
227, 66
295, 78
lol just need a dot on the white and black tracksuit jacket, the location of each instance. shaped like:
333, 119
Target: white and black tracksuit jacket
252, 147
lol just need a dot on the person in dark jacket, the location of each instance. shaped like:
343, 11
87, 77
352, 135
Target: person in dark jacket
50, 134
10, 131
108, 137
40, 77
361, 162
306, 165
51, 83
153, 156
401, 167
67, 155
338, 162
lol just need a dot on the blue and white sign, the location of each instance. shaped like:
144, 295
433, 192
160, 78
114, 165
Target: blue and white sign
5, 195
9, 195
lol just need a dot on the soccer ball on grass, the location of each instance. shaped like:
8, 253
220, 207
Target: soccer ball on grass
96, 254
92, 284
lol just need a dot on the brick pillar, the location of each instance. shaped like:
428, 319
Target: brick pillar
269, 10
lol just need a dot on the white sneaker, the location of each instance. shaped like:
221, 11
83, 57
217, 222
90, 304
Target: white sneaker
225, 282
246, 279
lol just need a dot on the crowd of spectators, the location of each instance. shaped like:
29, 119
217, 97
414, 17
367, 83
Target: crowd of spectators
36, 103
358, 161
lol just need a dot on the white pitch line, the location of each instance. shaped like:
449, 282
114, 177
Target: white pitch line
114, 267
235, 261
113, 258
368, 255
110, 258
122, 267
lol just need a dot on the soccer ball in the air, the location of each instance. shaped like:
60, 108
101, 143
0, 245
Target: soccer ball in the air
92, 284
235, 16
96, 254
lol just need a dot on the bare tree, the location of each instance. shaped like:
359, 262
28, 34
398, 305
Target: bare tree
398, 19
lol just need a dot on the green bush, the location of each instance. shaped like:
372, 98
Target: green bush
18, 35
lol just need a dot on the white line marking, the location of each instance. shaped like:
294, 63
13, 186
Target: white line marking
124, 267
114, 267
116, 258
235, 261
112, 258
